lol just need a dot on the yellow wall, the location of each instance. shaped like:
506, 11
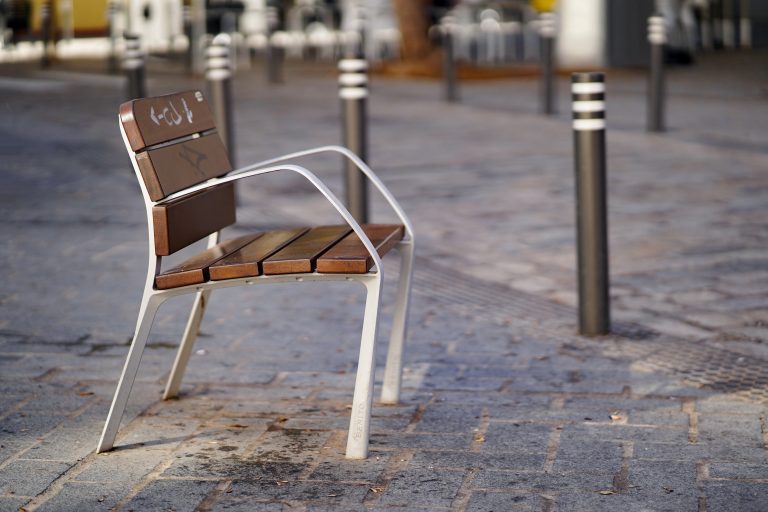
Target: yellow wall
89, 15
544, 5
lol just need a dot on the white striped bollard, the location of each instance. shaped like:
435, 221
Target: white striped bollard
218, 74
133, 65
46, 31
588, 94
547, 31
657, 37
353, 91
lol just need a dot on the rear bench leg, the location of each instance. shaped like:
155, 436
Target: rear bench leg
187, 342
149, 306
360, 422
393, 371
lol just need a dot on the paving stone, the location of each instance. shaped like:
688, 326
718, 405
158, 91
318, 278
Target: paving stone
449, 418
79, 496
400, 441
30, 477
170, 494
516, 437
742, 496
282, 490
367, 470
465, 460
590, 455
722, 450
738, 471
553, 481
483, 501
421, 487
118, 465
714, 428
233, 467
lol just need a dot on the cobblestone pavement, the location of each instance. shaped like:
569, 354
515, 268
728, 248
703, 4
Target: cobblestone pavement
504, 407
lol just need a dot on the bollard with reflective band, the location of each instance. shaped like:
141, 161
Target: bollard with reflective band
353, 91
547, 31
447, 29
657, 37
218, 74
588, 94
46, 30
133, 65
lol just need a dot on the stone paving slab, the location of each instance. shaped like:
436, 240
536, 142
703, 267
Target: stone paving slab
504, 407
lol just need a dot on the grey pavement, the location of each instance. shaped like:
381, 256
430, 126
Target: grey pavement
504, 406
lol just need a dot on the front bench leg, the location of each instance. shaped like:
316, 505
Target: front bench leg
360, 422
187, 342
393, 371
149, 306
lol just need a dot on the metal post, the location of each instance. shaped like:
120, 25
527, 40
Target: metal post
547, 30
450, 80
133, 65
588, 93
657, 37
112, 9
353, 91
275, 50
218, 73
197, 33
45, 32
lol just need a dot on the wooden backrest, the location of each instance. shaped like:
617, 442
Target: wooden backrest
176, 145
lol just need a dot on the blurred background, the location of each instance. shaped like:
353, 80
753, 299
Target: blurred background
590, 33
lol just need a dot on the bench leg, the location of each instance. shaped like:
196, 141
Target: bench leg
147, 312
187, 342
360, 422
393, 371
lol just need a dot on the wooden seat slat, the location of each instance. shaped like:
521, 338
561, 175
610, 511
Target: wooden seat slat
150, 121
350, 256
172, 168
301, 254
195, 269
190, 218
247, 261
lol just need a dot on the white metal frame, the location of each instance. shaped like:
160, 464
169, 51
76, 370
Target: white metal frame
357, 440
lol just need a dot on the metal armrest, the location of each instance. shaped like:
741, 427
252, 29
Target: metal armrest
364, 168
338, 205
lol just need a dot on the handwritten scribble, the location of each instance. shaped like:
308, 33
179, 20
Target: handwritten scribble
169, 114
195, 159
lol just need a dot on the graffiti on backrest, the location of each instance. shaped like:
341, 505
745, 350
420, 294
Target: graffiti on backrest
195, 158
170, 114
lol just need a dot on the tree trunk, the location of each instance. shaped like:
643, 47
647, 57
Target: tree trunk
412, 19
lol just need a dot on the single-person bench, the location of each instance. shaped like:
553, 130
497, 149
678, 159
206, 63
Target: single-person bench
188, 187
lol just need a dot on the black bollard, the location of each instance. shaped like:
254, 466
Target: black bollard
588, 94
218, 74
450, 80
46, 29
547, 30
133, 65
275, 47
353, 91
657, 37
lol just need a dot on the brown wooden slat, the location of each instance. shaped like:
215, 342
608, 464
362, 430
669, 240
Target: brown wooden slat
190, 218
247, 261
150, 121
300, 255
172, 168
195, 269
349, 255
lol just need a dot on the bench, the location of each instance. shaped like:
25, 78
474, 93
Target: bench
187, 183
